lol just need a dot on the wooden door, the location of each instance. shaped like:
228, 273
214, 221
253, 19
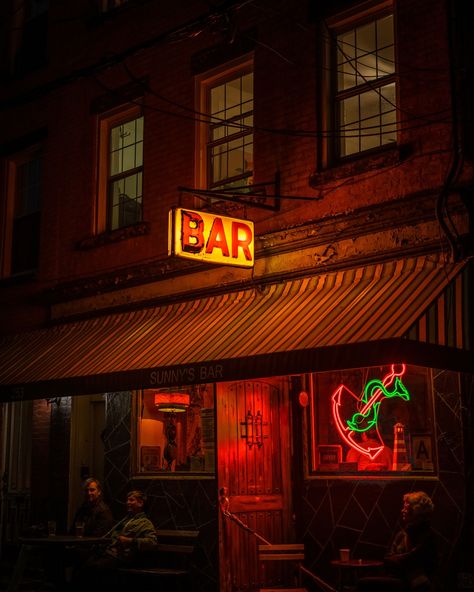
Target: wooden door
253, 444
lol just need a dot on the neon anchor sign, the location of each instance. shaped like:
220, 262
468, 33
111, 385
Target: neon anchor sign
368, 406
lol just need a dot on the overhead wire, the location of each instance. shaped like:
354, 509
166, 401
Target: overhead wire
206, 118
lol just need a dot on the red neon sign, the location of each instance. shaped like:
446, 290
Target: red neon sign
368, 405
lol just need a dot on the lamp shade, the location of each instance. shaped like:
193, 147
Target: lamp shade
171, 402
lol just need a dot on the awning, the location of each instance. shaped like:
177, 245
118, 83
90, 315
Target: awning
341, 319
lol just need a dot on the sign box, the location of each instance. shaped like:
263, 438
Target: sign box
212, 238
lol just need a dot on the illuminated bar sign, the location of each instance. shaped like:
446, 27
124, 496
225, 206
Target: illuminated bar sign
210, 237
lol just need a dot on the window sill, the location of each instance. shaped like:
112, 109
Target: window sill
375, 476
18, 279
113, 236
362, 163
167, 475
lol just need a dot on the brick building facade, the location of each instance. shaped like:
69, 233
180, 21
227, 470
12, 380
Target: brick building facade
344, 134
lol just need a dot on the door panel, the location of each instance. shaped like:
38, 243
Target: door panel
253, 457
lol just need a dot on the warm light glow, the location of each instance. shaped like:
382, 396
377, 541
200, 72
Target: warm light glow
212, 238
367, 417
171, 402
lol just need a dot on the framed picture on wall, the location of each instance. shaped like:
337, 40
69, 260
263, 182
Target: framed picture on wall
150, 458
329, 457
422, 451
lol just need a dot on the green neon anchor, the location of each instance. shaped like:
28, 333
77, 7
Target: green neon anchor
367, 417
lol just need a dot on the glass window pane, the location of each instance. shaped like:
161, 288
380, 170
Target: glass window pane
373, 46
139, 129
139, 155
219, 164
379, 417
350, 111
28, 187
128, 158
369, 106
176, 430
232, 100
233, 93
217, 99
367, 69
385, 31
247, 88
386, 61
365, 39
346, 47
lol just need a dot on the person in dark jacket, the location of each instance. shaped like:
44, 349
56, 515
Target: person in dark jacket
94, 513
129, 538
412, 559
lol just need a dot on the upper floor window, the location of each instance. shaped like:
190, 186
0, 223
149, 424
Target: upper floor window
121, 170
29, 35
227, 140
107, 5
22, 223
365, 89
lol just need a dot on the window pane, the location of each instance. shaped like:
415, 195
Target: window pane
371, 420
126, 201
349, 126
28, 187
217, 99
233, 101
365, 39
176, 431
126, 146
346, 67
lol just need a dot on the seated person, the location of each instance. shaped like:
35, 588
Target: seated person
382, 462
411, 561
129, 537
94, 512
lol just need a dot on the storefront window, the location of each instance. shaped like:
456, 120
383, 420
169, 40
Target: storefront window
375, 419
176, 430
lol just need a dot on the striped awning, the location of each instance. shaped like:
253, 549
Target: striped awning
347, 318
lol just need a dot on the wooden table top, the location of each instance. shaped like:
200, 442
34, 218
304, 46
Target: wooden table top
60, 539
357, 563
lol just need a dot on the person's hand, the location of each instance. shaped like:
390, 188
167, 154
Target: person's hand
124, 541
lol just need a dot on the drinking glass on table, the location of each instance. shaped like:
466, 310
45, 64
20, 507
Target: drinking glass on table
79, 529
51, 527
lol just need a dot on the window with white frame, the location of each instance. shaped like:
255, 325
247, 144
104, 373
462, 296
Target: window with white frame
227, 138
22, 222
365, 99
121, 170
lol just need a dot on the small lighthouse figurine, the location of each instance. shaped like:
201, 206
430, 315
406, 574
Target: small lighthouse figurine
400, 456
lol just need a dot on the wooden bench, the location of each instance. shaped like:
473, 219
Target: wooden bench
170, 560
290, 553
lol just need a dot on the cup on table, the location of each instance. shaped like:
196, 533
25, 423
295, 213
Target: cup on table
344, 554
51, 527
79, 529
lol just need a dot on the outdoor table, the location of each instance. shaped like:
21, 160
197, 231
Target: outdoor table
349, 571
56, 542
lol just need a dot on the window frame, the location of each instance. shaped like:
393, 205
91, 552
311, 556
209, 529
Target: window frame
12, 169
332, 97
203, 85
162, 473
314, 443
108, 121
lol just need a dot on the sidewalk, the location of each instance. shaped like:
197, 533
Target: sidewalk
32, 580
